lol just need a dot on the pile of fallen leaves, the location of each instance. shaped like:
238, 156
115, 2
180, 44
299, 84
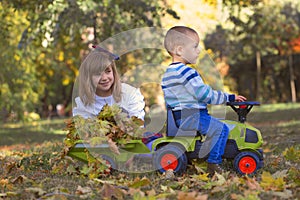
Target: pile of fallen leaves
112, 126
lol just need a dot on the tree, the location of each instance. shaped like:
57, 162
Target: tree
53, 40
260, 29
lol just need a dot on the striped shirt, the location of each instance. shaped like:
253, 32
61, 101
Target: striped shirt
183, 87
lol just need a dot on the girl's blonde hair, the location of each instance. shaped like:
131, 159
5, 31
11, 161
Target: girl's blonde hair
95, 63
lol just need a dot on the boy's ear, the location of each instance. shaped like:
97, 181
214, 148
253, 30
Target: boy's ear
178, 50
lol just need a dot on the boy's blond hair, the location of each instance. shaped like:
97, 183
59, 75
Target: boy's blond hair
176, 36
95, 63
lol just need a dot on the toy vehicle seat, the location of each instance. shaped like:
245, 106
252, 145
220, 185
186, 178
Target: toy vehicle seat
174, 130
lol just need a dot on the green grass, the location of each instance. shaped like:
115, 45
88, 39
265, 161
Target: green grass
32, 132
277, 107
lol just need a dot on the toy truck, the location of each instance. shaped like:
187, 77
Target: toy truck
178, 147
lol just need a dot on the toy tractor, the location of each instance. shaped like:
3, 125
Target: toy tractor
178, 147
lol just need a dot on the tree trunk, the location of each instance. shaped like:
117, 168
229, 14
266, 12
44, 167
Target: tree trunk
258, 75
292, 79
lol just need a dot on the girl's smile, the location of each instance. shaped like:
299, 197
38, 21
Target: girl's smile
104, 82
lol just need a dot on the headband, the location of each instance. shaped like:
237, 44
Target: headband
115, 56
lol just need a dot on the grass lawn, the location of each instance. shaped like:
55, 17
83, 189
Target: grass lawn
31, 166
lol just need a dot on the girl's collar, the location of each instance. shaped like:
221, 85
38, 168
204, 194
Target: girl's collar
100, 97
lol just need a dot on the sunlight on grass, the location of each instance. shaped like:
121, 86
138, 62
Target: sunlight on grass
278, 106
290, 123
53, 126
35, 123
59, 132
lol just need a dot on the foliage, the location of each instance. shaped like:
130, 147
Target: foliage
46, 41
19, 88
254, 30
112, 126
267, 27
111, 123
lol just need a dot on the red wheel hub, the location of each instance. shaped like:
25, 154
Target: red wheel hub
169, 161
247, 165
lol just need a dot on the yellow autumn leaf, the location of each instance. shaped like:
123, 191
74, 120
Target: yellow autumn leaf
61, 56
50, 72
202, 177
291, 154
66, 81
137, 183
94, 141
221, 179
268, 182
17, 57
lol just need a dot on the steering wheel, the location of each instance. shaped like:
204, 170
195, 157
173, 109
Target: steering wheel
242, 108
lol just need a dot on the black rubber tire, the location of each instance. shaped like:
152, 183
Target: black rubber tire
167, 154
246, 162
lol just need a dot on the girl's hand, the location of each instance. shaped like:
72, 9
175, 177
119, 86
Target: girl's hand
240, 98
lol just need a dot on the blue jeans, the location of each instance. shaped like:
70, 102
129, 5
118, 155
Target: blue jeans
216, 132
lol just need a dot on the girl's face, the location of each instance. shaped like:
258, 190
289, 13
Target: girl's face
104, 82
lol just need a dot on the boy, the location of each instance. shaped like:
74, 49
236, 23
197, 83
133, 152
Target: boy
184, 89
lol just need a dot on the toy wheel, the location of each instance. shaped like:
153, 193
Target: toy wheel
109, 161
246, 163
170, 157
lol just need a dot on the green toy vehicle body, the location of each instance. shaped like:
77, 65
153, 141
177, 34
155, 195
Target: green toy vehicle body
176, 149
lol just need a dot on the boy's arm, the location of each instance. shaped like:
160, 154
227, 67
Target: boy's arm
204, 93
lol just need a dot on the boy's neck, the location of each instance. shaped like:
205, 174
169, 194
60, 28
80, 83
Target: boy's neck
176, 59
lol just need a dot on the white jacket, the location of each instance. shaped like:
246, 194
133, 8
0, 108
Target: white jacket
132, 101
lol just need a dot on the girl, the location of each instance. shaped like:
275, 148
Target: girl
99, 84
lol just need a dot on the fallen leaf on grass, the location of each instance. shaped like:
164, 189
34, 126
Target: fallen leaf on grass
247, 195
4, 183
191, 196
292, 154
113, 146
9, 166
280, 174
167, 189
220, 179
109, 191
137, 183
252, 184
268, 182
35, 190
20, 179
151, 193
104, 181
84, 192
201, 177
286, 194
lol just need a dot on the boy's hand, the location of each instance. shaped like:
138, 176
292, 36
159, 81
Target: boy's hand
240, 98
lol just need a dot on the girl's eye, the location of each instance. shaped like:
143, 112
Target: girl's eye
108, 70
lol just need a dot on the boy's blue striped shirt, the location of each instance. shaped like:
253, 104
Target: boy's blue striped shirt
183, 87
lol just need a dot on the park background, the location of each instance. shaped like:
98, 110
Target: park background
254, 44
